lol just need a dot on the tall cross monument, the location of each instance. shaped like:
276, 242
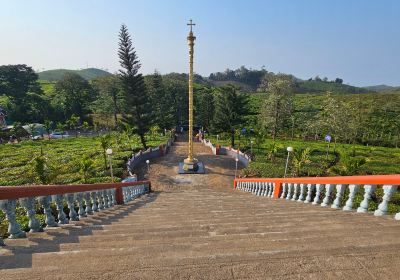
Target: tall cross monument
190, 164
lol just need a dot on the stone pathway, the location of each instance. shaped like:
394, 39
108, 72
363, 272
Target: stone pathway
198, 227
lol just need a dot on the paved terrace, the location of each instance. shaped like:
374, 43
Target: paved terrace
198, 227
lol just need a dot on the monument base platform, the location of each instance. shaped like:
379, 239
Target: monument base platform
199, 169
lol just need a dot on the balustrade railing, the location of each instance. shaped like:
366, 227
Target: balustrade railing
81, 200
334, 192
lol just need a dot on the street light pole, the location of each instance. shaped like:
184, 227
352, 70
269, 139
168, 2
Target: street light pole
236, 163
289, 150
148, 166
109, 153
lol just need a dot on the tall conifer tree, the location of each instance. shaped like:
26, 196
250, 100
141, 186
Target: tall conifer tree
134, 89
230, 107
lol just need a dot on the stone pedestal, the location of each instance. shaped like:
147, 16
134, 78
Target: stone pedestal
191, 167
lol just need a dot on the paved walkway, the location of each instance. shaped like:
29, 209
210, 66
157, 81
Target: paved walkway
197, 227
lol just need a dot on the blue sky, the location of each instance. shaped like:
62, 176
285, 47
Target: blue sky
357, 40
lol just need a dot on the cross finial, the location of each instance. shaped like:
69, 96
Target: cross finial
191, 24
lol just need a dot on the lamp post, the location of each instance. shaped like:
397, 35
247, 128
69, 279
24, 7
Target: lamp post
109, 153
148, 166
289, 150
236, 162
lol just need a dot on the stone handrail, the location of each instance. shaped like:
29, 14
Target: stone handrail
221, 150
150, 153
325, 191
88, 198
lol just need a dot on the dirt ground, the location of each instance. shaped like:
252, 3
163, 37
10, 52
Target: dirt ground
220, 170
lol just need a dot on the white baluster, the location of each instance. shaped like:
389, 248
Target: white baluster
81, 210
93, 196
328, 191
267, 188
62, 217
302, 190
295, 188
14, 229
317, 199
99, 196
110, 199
261, 188
29, 205
388, 191
271, 189
45, 201
310, 188
88, 209
283, 191
73, 216
353, 191
368, 191
105, 197
255, 189
290, 189
339, 193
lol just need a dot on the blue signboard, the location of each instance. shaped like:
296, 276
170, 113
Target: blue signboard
328, 138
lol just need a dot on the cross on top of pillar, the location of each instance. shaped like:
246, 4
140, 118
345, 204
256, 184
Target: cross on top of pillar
191, 25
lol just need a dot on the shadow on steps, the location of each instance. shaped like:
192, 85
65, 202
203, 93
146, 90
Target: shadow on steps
21, 256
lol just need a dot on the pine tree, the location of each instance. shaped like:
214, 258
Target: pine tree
134, 89
162, 101
230, 107
204, 108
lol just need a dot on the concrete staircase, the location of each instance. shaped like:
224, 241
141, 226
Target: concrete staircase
208, 234
200, 228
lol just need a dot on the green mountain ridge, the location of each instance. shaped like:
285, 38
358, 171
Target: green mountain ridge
381, 88
58, 74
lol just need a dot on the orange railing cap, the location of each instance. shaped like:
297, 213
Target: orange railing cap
367, 180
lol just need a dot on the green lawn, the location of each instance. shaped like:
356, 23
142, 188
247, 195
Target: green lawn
65, 155
379, 160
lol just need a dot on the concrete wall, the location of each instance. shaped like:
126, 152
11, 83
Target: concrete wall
243, 158
150, 153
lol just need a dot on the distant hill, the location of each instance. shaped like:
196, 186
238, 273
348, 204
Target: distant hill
380, 88
57, 74
323, 87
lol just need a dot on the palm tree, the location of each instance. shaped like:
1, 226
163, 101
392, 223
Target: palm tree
300, 158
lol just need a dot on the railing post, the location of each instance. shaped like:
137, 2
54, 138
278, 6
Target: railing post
119, 197
278, 188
